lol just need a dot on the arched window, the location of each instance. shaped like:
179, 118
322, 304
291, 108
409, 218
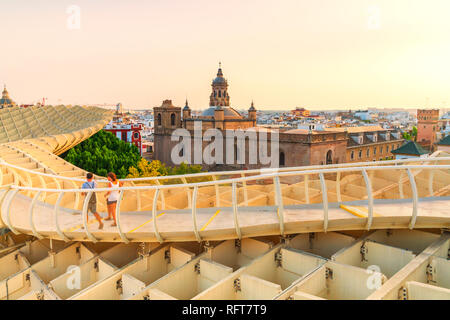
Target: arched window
329, 157
159, 119
352, 155
282, 159
172, 119
220, 94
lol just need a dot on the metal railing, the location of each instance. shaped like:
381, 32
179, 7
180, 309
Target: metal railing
240, 172
300, 175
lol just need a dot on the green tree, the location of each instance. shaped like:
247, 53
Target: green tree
155, 169
103, 153
411, 135
414, 133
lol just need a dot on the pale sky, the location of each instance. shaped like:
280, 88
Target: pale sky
317, 54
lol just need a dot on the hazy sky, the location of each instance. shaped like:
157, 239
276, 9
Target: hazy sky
286, 53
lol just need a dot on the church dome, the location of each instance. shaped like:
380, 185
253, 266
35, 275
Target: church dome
219, 79
228, 112
186, 106
6, 101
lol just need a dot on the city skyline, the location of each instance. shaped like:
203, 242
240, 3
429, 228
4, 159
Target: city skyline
321, 56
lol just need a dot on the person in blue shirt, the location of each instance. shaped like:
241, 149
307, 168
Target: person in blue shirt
92, 205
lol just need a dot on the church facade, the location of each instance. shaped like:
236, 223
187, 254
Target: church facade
239, 135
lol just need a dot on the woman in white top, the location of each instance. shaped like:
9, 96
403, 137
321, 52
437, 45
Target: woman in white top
112, 197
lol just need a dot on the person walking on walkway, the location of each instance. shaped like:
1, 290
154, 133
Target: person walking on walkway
92, 205
112, 197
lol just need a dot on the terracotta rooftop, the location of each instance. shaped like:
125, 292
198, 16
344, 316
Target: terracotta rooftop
357, 129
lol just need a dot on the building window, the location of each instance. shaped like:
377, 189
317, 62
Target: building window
352, 155
360, 154
368, 152
136, 135
159, 119
172, 119
375, 151
282, 159
381, 150
329, 157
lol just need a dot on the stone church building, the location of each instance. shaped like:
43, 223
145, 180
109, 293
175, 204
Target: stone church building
296, 147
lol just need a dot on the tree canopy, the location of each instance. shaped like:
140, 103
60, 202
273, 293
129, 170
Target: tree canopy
103, 153
412, 135
155, 169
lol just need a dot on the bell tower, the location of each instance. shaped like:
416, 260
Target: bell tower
219, 96
167, 117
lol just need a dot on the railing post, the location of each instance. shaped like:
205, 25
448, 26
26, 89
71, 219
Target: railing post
118, 218
338, 186
31, 215
1, 172
323, 188
279, 203
244, 185
412, 181
369, 198
58, 229
84, 216
400, 186
216, 187
163, 203
194, 214
430, 183
77, 196
5, 192
307, 188
188, 192
8, 211
235, 210
138, 197
155, 207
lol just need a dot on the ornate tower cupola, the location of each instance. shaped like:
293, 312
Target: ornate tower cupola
219, 95
186, 111
252, 112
